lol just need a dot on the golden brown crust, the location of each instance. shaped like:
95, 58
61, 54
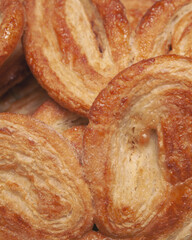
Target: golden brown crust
74, 47
14, 70
165, 27
24, 98
94, 236
137, 153
11, 25
136, 9
69, 124
43, 194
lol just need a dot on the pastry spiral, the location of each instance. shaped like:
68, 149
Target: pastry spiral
43, 194
165, 28
138, 151
75, 47
11, 26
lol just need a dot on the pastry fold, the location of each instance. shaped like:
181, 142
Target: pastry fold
43, 194
165, 28
137, 151
75, 47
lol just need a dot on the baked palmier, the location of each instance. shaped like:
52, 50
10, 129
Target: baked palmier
166, 27
75, 47
43, 194
138, 151
11, 26
14, 70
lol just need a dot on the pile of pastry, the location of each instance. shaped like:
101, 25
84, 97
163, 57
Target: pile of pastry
96, 119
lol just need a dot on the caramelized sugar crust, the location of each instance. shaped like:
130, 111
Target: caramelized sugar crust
137, 151
165, 28
136, 9
11, 26
74, 48
43, 194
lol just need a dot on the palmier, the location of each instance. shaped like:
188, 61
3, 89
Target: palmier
165, 28
11, 25
43, 194
138, 151
74, 48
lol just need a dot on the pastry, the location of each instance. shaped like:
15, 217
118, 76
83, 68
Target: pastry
94, 236
136, 9
25, 98
14, 70
11, 23
138, 151
74, 48
165, 28
57, 117
43, 194
69, 124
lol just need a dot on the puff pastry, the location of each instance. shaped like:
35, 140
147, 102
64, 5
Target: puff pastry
14, 70
94, 236
69, 124
75, 47
138, 151
25, 98
11, 27
165, 28
43, 194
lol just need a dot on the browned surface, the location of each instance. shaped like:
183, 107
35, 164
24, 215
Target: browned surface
135, 10
43, 194
69, 124
138, 156
71, 65
14, 70
165, 27
11, 26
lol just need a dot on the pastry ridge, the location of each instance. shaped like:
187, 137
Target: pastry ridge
74, 68
43, 193
139, 137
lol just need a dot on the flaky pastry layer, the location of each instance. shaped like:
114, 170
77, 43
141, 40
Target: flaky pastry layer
138, 155
43, 194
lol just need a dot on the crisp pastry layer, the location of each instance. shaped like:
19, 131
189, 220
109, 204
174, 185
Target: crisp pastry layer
135, 10
69, 124
11, 26
138, 155
14, 70
43, 194
75, 47
165, 28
